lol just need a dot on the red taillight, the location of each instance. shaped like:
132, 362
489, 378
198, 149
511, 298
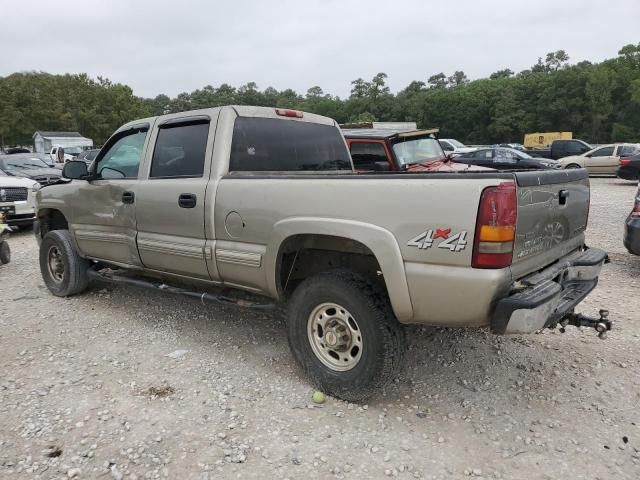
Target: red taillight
495, 227
625, 161
288, 113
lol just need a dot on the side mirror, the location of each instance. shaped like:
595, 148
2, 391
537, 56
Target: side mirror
75, 170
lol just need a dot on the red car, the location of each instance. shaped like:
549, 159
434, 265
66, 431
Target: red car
383, 150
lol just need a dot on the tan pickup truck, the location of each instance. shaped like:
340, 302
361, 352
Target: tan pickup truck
266, 200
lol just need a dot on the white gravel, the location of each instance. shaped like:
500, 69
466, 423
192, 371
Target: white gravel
128, 384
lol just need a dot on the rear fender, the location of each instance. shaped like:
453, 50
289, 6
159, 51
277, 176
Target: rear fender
380, 241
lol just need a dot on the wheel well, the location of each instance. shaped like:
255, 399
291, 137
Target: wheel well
51, 219
302, 256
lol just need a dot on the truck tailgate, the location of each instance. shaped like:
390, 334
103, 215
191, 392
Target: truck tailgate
553, 209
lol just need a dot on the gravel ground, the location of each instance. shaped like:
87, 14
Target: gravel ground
128, 384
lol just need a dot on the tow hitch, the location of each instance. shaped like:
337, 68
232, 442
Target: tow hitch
602, 324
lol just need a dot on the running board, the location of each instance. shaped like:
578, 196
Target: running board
204, 297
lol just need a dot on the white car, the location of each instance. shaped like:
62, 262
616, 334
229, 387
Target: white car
604, 159
17, 199
451, 145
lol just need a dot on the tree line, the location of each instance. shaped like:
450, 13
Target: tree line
599, 102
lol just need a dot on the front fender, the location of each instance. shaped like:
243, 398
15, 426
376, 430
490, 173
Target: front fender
379, 240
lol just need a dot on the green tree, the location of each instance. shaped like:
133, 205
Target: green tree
439, 80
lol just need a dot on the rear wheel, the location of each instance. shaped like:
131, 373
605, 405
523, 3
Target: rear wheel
343, 333
63, 270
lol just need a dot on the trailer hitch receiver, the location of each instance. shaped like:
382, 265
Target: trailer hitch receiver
602, 324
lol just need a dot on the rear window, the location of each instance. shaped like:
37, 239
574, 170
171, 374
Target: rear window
271, 144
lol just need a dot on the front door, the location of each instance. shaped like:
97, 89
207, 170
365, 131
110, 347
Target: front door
170, 200
104, 208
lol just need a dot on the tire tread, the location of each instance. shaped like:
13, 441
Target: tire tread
392, 334
78, 280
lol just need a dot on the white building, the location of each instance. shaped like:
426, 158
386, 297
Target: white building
72, 142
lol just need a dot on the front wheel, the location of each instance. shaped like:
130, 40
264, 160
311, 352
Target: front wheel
573, 165
63, 270
5, 252
344, 335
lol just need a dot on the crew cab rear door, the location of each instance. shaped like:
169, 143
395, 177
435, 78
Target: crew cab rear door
170, 198
553, 209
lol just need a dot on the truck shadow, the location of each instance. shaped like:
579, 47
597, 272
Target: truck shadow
444, 369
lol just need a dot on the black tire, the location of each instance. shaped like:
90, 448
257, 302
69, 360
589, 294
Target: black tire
383, 338
73, 278
5, 253
573, 165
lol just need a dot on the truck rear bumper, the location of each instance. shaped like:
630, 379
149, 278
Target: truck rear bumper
544, 298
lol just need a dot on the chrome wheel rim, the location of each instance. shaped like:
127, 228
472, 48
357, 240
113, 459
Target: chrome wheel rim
335, 337
55, 264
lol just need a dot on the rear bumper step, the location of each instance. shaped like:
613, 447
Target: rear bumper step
550, 295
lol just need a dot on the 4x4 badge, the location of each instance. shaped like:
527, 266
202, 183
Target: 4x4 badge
455, 243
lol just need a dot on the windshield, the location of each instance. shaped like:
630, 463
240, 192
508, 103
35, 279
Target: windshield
418, 150
519, 153
456, 143
23, 163
72, 150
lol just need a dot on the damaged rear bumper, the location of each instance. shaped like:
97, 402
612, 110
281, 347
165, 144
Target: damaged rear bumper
543, 299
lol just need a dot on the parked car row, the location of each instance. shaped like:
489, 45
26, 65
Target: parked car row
30, 165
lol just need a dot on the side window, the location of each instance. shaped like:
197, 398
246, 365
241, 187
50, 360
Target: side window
505, 156
580, 148
366, 154
483, 154
180, 151
122, 157
446, 146
625, 150
603, 152
573, 148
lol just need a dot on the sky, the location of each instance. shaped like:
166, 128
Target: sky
177, 46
